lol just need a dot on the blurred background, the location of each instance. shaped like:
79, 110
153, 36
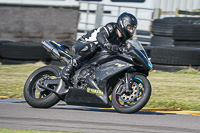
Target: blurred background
169, 30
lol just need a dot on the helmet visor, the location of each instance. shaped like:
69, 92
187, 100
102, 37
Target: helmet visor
131, 29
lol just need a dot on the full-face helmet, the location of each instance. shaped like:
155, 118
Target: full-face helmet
126, 21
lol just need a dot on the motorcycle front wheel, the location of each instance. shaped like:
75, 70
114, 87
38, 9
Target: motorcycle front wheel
133, 100
38, 97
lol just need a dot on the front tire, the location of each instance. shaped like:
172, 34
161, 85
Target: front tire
134, 101
38, 97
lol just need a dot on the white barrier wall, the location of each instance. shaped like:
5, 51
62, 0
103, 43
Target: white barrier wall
171, 5
43, 2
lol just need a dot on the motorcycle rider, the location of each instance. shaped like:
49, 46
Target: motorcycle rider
111, 37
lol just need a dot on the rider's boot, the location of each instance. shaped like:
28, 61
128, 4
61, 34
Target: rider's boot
67, 71
83, 54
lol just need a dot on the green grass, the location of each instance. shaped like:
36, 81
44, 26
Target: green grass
171, 90
175, 90
13, 78
4, 130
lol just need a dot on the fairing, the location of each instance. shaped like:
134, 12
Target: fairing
136, 50
108, 69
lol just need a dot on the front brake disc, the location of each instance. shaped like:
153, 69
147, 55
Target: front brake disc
130, 97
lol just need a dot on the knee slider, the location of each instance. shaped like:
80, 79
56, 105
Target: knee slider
85, 48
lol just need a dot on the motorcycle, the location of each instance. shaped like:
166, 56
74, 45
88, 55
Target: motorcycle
106, 80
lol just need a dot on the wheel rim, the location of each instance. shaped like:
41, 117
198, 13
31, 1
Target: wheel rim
129, 99
37, 92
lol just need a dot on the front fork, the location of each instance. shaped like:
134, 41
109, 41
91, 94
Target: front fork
128, 82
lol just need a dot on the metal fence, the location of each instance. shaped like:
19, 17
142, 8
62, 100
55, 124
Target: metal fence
93, 15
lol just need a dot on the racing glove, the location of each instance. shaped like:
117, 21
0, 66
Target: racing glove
113, 48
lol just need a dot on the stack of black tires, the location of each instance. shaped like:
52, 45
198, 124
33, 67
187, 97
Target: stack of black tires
176, 41
21, 52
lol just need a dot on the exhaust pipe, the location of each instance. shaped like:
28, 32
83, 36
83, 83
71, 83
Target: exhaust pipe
51, 49
60, 55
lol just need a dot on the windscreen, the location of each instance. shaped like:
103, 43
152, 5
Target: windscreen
136, 44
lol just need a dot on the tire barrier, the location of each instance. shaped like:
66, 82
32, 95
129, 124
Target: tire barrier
189, 20
164, 27
161, 41
195, 44
178, 56
17, 62
24, 51
1, 45
190, 32
176, 41
20, 53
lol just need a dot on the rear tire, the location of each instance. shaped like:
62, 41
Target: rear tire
138, 102
46, 99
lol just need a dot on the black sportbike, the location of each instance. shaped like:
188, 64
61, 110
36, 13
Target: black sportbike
106, 80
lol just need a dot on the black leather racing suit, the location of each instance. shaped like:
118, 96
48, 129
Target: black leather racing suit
100, 36
86, 46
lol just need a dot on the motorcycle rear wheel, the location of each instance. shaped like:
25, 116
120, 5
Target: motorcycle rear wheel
38, 97
136, 99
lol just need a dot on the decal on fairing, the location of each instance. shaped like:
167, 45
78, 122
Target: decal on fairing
119, 65
56, 43
94, 91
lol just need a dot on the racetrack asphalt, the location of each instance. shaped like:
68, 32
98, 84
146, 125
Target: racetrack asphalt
62, 117
158, 110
